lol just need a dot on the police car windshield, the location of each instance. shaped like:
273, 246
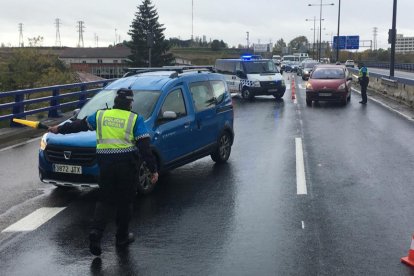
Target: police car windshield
143, 104
260, 66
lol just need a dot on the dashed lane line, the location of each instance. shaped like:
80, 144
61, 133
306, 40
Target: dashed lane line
34, 220
300, 169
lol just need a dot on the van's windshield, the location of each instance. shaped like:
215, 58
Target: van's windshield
259, 67
143, 104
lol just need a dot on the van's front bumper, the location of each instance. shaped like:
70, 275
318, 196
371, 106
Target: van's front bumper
275, 88
89, 177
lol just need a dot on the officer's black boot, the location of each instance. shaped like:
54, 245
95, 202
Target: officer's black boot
98, 226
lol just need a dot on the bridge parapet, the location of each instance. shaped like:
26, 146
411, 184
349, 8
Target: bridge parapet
51, 99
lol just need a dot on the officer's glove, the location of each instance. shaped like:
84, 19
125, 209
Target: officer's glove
154, 177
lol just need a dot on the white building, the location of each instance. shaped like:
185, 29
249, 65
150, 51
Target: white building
404, 44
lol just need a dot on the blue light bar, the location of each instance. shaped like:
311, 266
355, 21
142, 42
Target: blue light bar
250, 57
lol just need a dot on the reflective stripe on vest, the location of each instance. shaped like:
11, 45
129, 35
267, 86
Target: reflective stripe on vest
114, 130
361, 73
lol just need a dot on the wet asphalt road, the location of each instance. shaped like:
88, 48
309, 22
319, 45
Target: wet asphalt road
245, 217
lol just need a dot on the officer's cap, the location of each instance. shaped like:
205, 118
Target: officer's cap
125, 94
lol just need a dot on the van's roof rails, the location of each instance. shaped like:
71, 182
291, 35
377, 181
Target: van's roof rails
175, 70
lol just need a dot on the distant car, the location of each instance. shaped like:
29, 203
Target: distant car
307, 68
286, 66
295, 65
329, 83
350, 63
189, 115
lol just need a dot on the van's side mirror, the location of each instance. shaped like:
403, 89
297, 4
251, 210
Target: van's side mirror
169, 115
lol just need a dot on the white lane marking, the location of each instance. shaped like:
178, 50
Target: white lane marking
301, 86
300, 169
303, 224
34, 220
21, 144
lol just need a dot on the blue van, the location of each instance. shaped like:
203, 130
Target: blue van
189, 114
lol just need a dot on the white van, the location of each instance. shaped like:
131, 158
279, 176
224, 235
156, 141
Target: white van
252, 77
276, 59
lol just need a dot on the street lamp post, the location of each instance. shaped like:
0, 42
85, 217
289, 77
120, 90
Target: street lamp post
393, 38
320, 25
314, 28
337, 37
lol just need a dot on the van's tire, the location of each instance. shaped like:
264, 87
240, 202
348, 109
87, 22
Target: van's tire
247, 94
222, 153
144, 184
308, 102
278, 97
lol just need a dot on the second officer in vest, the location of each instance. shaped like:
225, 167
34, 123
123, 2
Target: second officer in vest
363, 79
118, 133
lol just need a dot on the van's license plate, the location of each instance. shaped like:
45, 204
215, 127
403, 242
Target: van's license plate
325, 94
60, 168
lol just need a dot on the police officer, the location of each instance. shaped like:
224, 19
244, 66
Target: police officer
363, 79
118, 133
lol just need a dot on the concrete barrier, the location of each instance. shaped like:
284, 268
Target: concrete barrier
399, 89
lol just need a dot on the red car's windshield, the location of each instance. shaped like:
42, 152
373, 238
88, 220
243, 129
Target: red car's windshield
328, 73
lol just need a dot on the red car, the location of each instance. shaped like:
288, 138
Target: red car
329, 83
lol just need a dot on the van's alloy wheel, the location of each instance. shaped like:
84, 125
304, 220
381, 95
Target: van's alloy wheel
246, 94
222, 153
145, 186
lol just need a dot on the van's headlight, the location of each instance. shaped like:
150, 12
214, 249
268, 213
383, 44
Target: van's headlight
256, 84
43, 142
309, 86
342, 87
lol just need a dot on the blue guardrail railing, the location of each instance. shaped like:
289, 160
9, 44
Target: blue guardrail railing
19, 100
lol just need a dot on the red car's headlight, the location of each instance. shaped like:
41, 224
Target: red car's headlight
342, 87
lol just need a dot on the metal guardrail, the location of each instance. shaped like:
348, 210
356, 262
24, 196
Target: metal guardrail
384, 65
380, 76
22, 99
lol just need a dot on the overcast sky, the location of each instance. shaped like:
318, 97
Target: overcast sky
227, 20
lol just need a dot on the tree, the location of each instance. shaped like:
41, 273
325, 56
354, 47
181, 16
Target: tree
146, 34
28, 68
298, 43
216, 45
278, 48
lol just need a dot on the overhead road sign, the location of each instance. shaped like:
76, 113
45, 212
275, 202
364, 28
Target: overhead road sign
350, 42
342, 42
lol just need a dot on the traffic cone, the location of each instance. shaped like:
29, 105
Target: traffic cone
409, 260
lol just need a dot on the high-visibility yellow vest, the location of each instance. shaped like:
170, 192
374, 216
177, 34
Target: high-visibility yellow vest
115, 131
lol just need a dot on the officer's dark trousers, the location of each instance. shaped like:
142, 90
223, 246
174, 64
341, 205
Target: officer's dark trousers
117, 189
364, 86
364, 92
